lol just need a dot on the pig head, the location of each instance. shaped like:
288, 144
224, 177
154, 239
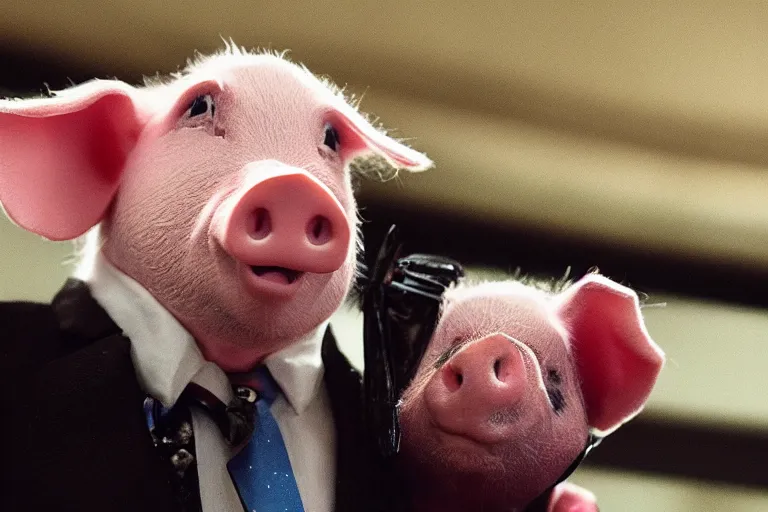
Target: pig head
224, 191
513, 382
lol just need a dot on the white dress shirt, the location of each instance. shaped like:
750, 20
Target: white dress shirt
167, 358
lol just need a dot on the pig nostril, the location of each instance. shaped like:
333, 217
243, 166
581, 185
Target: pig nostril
261, 225
502, 368
452, 379
319, 230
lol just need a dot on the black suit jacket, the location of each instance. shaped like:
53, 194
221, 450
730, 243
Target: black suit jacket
74, 436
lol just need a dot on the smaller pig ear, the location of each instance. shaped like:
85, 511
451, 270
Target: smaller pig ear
568, 497
61, 158
359, 137
618, 362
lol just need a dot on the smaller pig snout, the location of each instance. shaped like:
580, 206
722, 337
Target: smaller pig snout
491, 369
284, 218
477, 392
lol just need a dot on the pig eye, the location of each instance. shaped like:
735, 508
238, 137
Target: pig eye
557, 400
554, 377
331, 137
200, 106
200, 115
448, 353
556, 397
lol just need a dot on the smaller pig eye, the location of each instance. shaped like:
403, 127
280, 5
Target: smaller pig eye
447, 354
331, 137
557, 400
201, 105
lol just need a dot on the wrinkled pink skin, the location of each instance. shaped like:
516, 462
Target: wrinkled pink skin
479, 429
182, 199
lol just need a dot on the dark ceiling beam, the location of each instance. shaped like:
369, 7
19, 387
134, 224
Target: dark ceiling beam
688, 451
33, 73
506, 248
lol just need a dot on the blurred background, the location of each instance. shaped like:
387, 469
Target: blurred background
628, 136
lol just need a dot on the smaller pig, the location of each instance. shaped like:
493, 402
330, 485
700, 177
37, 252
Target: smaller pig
514, 384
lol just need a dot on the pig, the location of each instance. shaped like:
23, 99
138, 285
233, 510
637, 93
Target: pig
223, 194
513, 383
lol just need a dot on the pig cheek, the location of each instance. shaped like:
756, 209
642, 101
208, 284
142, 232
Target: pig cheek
421, 456
148, 233
536, 459
426, 451
319, 297
160, 195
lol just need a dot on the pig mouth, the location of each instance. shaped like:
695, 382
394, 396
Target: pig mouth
464, 442
279, 275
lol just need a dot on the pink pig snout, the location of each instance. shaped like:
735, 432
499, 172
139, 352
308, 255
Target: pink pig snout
284, 217
476, 393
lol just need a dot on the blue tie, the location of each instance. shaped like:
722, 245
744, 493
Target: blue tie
262, 471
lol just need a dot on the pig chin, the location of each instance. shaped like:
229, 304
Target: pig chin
462, 474
443, 472
234, 327
265, 322
237, 330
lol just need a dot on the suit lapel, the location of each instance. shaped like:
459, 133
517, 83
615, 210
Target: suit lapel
80, 426
82, 433
81, 318
358, 476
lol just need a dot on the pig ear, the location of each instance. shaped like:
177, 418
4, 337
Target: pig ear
617, 361
358, 137
61, 158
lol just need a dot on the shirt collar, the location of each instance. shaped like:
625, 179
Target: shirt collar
164, 354
298, 369
167, 358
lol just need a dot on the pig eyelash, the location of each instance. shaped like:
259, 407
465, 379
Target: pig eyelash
457, 344
556, 397
445, 356
553, 376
